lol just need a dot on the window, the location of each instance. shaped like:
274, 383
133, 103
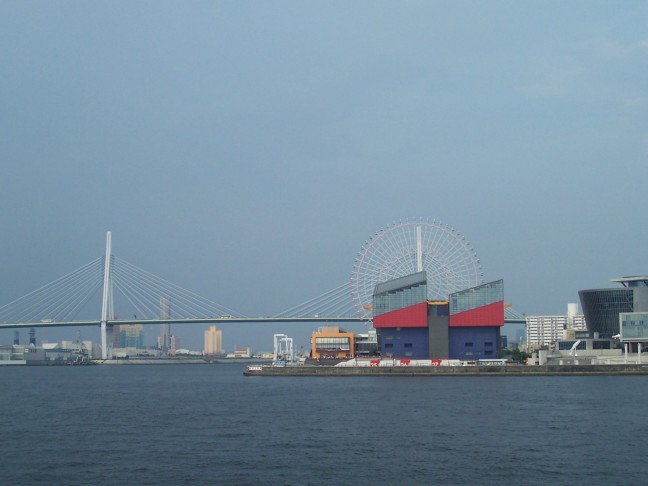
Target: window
408, 345
469, 345
332, 343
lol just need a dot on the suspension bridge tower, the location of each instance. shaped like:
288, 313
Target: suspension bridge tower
107, 309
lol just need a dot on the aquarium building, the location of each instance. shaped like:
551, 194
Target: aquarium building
465, 327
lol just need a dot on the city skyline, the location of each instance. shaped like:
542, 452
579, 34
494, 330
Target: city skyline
247, 151
303, 331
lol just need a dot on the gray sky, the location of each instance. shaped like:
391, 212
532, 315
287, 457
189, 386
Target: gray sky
246, 150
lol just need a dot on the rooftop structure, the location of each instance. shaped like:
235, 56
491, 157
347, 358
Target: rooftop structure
631, 281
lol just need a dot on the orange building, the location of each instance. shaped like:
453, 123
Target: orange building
332, 342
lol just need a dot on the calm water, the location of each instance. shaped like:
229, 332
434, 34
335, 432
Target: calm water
202, 424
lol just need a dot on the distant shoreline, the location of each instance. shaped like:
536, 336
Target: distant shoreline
179, 361
137, 361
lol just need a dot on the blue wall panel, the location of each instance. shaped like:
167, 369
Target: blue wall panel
471, 343
410, 342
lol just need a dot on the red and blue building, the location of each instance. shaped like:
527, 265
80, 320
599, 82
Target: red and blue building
476, 318
465, 327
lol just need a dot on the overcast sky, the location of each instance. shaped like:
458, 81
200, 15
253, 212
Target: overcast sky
246, 150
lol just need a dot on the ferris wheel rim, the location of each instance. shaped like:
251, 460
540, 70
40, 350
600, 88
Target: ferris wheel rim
449, 260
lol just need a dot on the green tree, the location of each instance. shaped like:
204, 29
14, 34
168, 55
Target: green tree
514, 355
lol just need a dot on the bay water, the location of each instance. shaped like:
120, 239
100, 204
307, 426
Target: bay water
208, 424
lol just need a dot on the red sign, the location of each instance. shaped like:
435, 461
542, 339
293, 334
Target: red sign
374, 363
404, 362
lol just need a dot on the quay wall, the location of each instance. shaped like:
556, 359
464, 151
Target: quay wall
545, 370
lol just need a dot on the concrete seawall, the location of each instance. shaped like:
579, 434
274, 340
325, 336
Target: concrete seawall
551, 370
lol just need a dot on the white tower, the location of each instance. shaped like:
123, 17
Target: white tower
107, 310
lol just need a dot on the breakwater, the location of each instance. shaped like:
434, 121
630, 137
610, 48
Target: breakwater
546, 370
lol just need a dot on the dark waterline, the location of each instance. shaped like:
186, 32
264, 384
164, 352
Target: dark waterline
200, 424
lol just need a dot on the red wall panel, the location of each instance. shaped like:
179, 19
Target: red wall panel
487, 315
412, 316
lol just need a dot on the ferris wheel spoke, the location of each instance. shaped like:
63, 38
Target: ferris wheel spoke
391, 247
450, 262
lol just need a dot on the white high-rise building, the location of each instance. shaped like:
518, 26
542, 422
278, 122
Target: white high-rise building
213, 341
174, 344
544, 330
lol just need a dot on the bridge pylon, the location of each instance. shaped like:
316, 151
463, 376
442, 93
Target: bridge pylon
107, 309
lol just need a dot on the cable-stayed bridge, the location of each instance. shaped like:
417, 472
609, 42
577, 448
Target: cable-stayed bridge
149, 299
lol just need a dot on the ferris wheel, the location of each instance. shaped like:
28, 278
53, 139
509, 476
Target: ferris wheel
412, 246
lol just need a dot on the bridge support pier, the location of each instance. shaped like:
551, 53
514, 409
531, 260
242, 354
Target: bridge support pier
106, 340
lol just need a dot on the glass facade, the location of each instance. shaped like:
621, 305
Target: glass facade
475, 297
332, 343
400, 293
602, 308
634, 326
567, 345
